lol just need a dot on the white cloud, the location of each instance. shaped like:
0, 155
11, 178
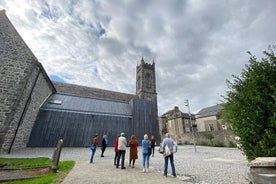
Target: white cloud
196, 45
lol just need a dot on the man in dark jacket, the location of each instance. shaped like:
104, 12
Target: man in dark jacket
104, 144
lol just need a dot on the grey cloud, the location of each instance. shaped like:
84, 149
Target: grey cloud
196, 45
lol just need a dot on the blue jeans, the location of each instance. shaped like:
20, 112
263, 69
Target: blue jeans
92, 156
166, 165
121, 153
146, 159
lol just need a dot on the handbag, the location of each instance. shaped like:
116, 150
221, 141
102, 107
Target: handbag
93, 147
167, 151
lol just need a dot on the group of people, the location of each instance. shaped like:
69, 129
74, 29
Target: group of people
94, 145
148, 148
120, 151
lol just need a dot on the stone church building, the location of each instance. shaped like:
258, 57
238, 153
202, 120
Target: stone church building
37, 112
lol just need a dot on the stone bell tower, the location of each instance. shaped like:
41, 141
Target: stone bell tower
145, 81
146, 91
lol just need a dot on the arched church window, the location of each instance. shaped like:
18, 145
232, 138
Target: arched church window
148, 80
139, 82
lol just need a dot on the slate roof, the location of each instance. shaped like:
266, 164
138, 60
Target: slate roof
175, 110
92, 92
209, 111
71, 103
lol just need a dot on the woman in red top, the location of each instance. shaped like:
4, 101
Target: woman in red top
116, 150
94, 145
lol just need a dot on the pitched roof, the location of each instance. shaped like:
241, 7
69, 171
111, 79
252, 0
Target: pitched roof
209, 111
87, 105
84, 91
176, 110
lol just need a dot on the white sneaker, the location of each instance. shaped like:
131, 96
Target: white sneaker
144, 170
147, 170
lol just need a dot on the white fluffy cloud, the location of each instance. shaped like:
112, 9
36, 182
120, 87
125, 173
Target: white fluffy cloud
197, 45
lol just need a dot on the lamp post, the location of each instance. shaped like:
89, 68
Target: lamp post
193, 132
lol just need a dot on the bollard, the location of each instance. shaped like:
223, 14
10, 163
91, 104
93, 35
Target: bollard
56, 156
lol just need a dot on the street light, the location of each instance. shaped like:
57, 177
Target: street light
188, 105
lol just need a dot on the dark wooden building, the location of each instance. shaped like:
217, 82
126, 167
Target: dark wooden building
76, 118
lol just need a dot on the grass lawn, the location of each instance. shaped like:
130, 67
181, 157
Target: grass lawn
23, 163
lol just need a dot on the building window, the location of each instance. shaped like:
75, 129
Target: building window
187, 129
148, 81
224, 127
138, 82
186, 121
57, 102
170, 124
211, 127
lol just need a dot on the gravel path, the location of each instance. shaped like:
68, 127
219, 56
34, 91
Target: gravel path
208, 165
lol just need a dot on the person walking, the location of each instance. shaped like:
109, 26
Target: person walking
116, 150
152, 145
94, 146
170, 147
104, 144
122, 143
146, 153
133, 144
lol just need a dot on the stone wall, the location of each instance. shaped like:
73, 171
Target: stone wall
41, 90
18, 72
262, 170
225, 138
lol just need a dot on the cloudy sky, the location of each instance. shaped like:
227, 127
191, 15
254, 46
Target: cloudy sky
196, 44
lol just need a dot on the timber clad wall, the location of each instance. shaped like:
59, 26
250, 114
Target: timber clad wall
144, 114
76, 129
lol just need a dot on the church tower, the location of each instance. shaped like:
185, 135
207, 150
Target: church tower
145, 81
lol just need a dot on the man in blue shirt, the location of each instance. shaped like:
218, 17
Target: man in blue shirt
169, 144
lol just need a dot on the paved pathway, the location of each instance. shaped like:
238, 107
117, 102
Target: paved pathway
102, 172
206, 166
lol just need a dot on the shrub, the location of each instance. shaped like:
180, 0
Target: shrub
250, 106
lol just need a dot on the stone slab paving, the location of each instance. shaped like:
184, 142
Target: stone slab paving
101, 172
208, 165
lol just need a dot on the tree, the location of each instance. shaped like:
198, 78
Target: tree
250, 106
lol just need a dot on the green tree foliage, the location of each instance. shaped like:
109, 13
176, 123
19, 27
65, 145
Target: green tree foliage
250, 106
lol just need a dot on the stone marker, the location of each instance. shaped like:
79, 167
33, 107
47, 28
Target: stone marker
56, 155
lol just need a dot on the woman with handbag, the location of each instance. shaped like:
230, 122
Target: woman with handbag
94, 146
